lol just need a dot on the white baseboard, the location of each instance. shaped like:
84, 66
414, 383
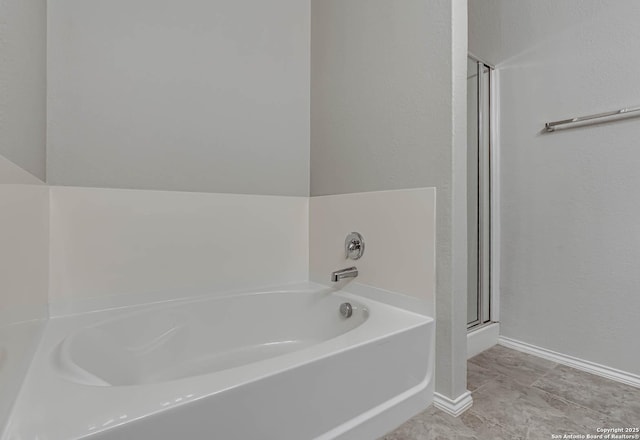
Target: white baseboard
570, 361
453, 407
482, 339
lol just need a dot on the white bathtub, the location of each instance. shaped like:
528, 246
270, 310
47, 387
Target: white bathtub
279, 365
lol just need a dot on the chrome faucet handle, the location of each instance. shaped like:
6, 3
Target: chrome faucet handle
353, 246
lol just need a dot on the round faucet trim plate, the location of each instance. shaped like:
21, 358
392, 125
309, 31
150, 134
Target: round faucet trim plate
354, 246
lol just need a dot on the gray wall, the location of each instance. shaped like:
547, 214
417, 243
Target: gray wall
383, 102
381, 95
24, 200
570, 231
22, 83
180, 95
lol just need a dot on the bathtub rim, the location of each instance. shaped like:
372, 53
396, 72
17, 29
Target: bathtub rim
99, 304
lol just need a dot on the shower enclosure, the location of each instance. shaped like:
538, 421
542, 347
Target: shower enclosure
479, 106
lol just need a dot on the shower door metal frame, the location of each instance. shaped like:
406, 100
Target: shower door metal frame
487, 200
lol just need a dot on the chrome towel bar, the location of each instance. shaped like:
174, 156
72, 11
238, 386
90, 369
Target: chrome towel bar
551, 126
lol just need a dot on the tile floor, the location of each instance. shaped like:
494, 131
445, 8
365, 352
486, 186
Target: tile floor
519, 396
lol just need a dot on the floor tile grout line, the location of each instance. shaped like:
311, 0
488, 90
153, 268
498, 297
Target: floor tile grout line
479, 388
489, 418
492, 379
533, 385
494, 421
545, 374
564, 399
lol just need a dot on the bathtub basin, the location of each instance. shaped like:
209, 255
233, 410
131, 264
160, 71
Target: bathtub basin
278, 364
186, 340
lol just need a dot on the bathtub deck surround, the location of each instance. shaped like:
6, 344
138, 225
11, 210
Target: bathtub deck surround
162, 244
201, 368
399, 230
